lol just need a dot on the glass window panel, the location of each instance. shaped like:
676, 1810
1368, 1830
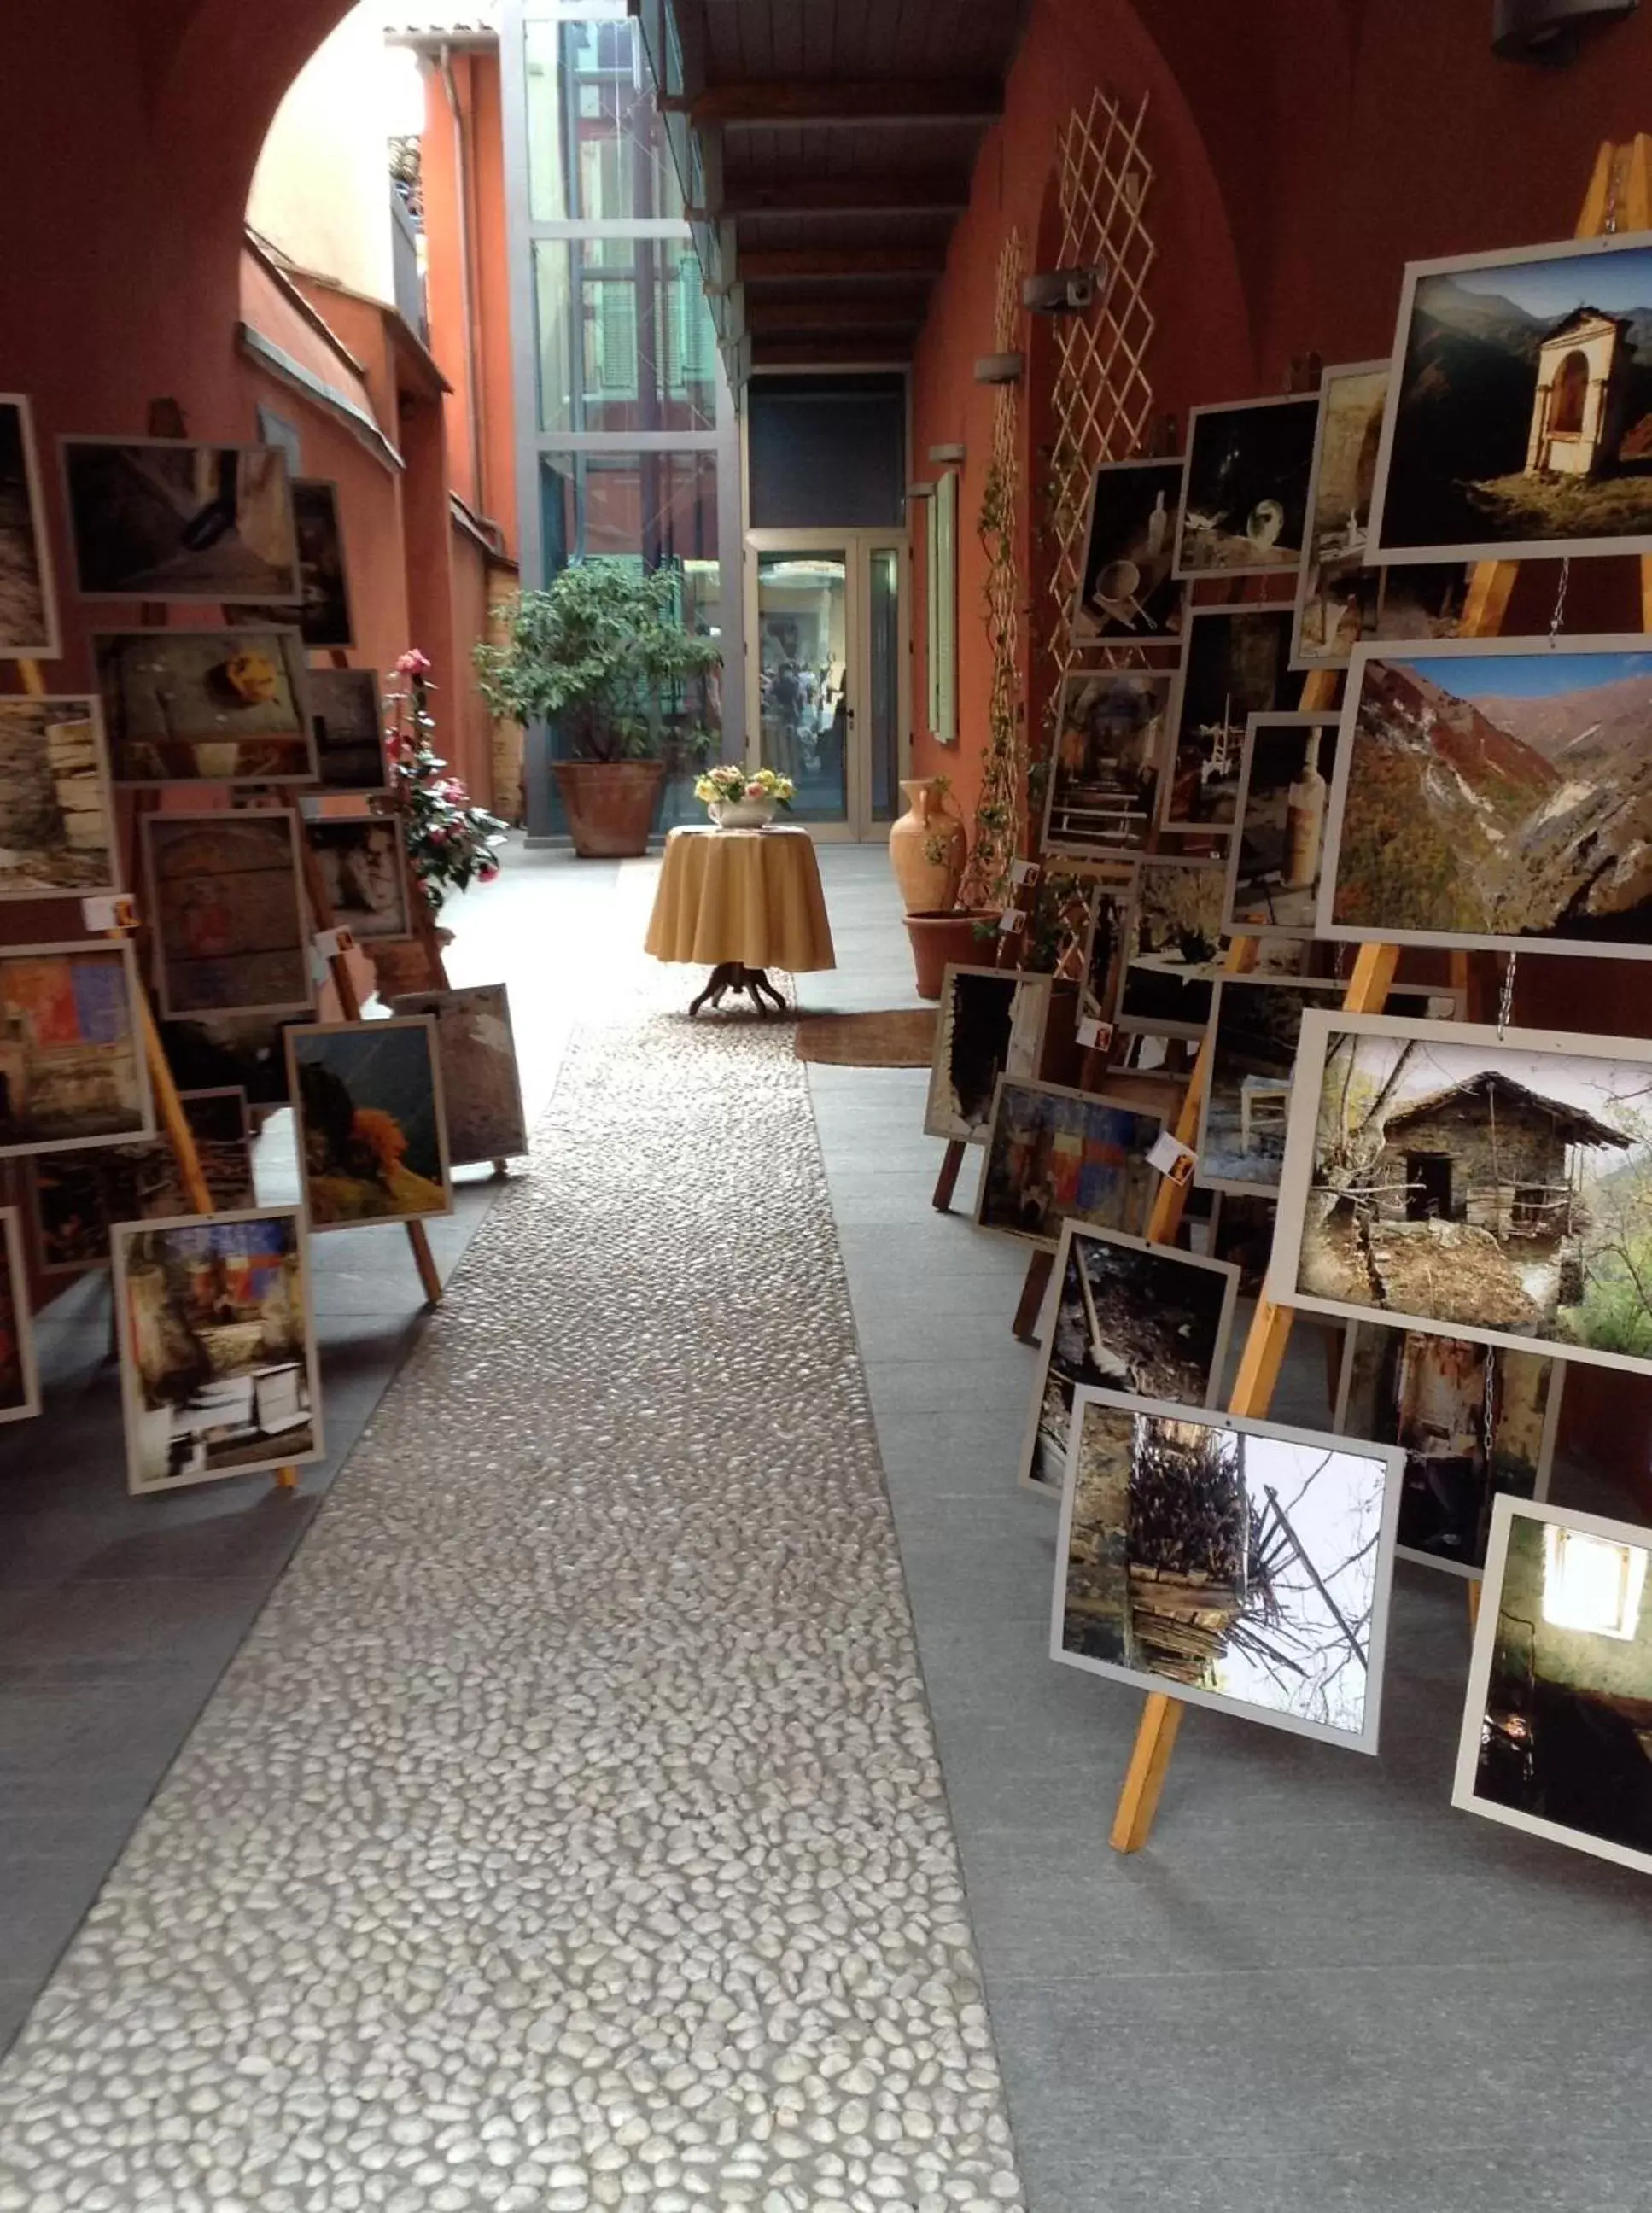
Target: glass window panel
801, 609
626, 341
596, 149
884, 645
655, 510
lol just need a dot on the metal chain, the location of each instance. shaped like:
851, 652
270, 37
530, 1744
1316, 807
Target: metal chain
1506, 1003
1560, 597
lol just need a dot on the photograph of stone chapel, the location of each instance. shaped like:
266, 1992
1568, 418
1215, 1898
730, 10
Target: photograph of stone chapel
1519, 417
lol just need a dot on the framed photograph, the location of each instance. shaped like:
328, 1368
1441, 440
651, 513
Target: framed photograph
78, 1197
348, 716
481, 1092
1441, 1176
1172, 948
72, 1070
1255, 1024
1517, 423
165, 518
1053, 1155
372, 1135
218, 1370
226, 903
58, 810
1234, 1564
1243, 498
1560, 1683
28, 602
990, 1023
20, 1376
360, 861
1497, 798
323, 615
210, 706
1472, 1420
1129, 1316
1103, 783
1105, 941
1237, 664
1342, 600
1278, 848
1126, 593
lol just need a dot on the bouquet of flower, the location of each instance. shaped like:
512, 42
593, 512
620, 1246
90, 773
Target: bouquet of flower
729, 782
449, 838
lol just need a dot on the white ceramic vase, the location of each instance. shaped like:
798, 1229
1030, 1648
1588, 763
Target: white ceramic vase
741, 814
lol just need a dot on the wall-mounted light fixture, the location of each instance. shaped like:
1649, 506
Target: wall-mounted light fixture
1548, 30
1000, 368
1063, 291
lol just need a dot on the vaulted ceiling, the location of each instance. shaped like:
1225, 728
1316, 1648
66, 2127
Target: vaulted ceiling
827, 148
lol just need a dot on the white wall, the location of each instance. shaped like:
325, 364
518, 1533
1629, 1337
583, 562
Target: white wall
321, 193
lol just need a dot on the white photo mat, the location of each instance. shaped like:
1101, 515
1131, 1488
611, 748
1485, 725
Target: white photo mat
291, 1036
1113, 1102
1030, 1012
1208, 412
1327, 719
268, 457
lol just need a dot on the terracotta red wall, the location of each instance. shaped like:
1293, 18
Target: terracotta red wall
1302, 152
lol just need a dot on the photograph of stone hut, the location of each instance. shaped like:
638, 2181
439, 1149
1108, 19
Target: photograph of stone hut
1502, 1184
1557, 1733
1230, 1563
1518, 415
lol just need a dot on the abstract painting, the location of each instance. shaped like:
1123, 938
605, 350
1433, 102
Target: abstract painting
72, 1070
1055, 1156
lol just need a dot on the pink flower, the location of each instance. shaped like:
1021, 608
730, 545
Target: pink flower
487, 871
412, 663
755, 791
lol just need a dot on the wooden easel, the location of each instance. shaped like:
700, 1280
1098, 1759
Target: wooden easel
1619, 196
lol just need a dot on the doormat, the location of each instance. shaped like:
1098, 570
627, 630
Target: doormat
901, 1039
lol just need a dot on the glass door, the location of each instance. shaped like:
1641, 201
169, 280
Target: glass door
827, 673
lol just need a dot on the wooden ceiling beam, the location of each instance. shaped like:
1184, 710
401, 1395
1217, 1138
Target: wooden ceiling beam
900, 193
764, 317
760, 265
752, 103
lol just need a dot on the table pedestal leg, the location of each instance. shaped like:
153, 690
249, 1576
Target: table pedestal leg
735, 976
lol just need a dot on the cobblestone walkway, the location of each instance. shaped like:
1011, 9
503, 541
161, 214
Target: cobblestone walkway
568, 1832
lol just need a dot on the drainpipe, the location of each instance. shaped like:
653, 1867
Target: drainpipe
466, 303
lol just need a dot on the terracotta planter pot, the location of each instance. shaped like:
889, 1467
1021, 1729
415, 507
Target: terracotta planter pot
609, 805
927, 848
938, 938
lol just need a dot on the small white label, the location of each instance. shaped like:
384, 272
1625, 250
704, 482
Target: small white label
1023, 872
114, 910
1097, 1035
1171, 1157
1012, 919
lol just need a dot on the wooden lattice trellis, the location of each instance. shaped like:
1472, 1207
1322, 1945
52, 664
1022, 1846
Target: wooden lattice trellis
1000, 814
1103, 402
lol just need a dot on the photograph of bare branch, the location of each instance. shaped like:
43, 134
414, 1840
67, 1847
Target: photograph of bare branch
1130, 1316
1452, 1179
1557, 1735
1474, 1422
1234, 1563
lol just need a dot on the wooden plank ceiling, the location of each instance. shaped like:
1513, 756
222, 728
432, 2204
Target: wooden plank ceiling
837, 140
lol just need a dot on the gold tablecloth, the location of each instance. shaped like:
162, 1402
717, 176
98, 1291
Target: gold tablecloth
747, 895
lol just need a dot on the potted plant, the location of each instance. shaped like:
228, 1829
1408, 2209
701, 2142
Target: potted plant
605, 653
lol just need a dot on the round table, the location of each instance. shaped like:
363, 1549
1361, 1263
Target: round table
743, 901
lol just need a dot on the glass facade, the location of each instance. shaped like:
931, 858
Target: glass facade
632, 448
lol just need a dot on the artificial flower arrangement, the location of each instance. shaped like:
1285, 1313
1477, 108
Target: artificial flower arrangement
729, 782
